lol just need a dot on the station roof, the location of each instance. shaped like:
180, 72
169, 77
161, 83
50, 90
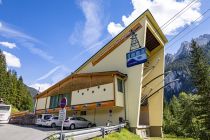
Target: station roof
147, 14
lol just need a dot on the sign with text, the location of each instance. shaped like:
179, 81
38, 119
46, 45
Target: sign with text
136, 57
62, 114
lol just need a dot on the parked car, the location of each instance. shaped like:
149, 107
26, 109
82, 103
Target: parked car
41, 119
52, 122
76, 122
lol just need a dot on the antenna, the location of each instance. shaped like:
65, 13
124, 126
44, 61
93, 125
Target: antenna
134, 41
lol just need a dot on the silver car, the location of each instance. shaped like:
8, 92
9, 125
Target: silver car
76, 122
52, 122
41, 119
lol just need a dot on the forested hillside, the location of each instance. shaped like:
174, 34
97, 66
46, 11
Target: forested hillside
188, 114
12, 89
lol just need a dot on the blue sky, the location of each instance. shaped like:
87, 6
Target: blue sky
45, 40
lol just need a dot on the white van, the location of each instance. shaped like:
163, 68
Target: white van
5, 112
42, 119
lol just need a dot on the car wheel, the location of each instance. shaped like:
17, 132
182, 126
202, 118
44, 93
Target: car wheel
72, 127
89, 125
53, 125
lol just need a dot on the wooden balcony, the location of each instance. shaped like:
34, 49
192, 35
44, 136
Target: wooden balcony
85, 91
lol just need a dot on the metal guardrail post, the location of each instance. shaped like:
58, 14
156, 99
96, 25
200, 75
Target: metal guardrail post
62, 136
103, 132
120, 128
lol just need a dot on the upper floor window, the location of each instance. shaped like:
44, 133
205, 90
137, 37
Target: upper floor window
56, 99
120, 85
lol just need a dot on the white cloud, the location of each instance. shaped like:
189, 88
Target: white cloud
41, 86
89, 32
8, 44
9, 32
26, 41
12, 60
162, 11
114, 28
49, 73
50, 78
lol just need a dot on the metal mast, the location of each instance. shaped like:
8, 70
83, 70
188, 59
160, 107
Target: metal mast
134, 41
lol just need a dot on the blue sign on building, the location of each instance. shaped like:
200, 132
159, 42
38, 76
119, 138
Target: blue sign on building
136, 57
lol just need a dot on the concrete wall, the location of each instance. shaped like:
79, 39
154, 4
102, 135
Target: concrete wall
101, 116
116, 61
155, 102
101, 93
48, 102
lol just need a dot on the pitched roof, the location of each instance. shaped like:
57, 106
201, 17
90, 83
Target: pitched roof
147, 13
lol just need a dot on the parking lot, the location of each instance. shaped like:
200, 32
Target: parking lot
19, 132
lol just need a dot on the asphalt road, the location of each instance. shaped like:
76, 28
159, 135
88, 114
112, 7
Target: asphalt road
19, 132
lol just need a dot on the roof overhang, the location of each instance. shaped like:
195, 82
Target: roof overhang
73, 76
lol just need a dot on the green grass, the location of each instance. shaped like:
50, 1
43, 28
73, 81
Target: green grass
123, 135
127, 135
170, 137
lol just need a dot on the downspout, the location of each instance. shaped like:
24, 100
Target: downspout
124, 99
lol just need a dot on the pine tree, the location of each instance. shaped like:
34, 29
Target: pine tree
2, 75
199, 70
12, 89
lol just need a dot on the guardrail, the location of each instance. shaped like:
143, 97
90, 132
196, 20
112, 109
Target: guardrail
87, 134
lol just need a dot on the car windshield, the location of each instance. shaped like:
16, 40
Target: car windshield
4, 108
47, 117
81, 119
55, 118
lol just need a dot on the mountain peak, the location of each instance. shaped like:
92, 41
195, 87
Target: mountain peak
203, 39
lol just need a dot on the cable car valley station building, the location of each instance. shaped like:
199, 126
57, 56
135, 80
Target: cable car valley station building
124, 80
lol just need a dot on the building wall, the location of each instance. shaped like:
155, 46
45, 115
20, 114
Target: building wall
116, 61
84, 96
156, 101
41, 103
48, 102
101, 116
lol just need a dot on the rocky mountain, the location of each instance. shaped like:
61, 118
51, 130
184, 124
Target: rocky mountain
32, 91
178, 65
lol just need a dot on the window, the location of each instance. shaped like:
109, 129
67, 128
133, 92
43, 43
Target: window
68, 97
73, 118
5, 108
81, 119
54, 101
55, 118
120, 85
47, 117
83, 113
